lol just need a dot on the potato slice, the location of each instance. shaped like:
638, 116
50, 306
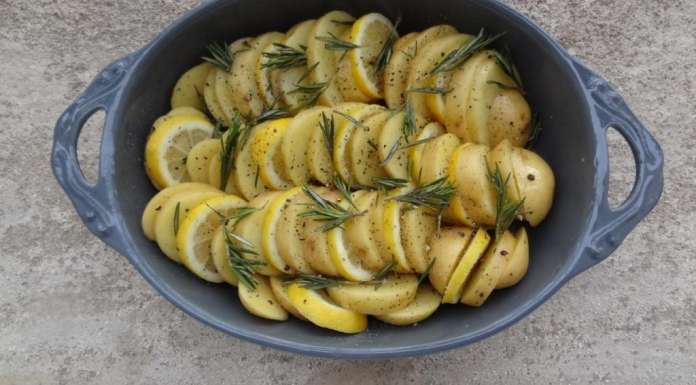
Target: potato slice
488, 271
359, 235
223, 82
344, 80
364, 159
265, 150
249, 228
215, 173
296, 141
280, 291
510, 118
165, 226
377, 228
286, 80
456, 214
348, 264
218, 250
436, 102
188, 90
415, 153
154, 206
260, 300
423, 306
469, 171
391, 135
396, 71
436, 157
391, 222
316, 250
290, 234
332, 23
467, 262
321, 311
501, 156
517, 261
246, 173
536, 183
198, 160
446, 248
212, 103
399, 66
396, 292
417, 227
269, 229
244, 90
457, 100
428, 57
263, 76
344, 131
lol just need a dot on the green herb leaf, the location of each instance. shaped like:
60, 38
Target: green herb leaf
342, 22
219, 56
409, 128
327, 127
351, 119
536, 131
385, 53
333, 43
427, 271
311, 93
322, 210
315, 282
177, 217
284, 57
435, 195
392, 151
385, 271
271, 114
228, 145
503, 85
344, 190
389, 183
458, 56
245, 269
430, 90
506, 210
505, 61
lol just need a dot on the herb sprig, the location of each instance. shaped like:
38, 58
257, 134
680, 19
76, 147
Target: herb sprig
219, 56
506, 210
430, 90
333, 43
228, 144
245, 269
344, 190
389, 183
177, 217
318, 282
284, 57
327, 126
331, 213
427, 271
435, 195
505, 61
385, 53
271, 114
536, 131
458, 56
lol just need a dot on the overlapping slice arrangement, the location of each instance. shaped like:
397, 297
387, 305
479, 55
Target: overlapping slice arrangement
339, 171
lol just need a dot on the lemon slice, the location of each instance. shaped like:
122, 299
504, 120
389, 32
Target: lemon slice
395, 292
348, 264
168, 147
359, 235
269, 229
221, 260
154, 206
296, 143
248, 228
280, 291
446, 248
196, 233
246, 175
344, 131
265, 150
423, 306
370, 32
488, 271
260, 300
290, 234
415, 153
467, 262
179, 111
364, 158
199, 158
188, 90
323, 312
391, 221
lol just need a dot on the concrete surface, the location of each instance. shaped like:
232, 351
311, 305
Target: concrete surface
72, 311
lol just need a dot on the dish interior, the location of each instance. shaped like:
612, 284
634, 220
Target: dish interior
567, 143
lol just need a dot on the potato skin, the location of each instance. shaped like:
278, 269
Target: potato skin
509, 118
397, 292
469, 170
536, 183
423, 306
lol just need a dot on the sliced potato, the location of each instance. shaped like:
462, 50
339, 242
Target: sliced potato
290, 234
280, 291
154, 206
332, 23
423, 306
510, 118
249, 229
364, 157
345, 81
321, 311
224, 90
264, 76
295, 144
269, 229
457, 100
391, 137
436, 102
396, 71
286, 80
246, 175
265, 150
215, 175
245, 93
212, 103
467, 262
417, 227
260, 301
199, 158
344, 132
446, 248
456, 214
517, 261
376, 214
396, 292
436, 157
469, 171
165, 225
490, 268
348, 264
359, 235
316, 251
501, 157
221, 260
188, 90
391, 222
415, 153
536, 183
428, 57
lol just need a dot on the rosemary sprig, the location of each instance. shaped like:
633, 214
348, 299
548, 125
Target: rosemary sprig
333, 43
458, 56
430, 90
311, 92
342, 22
435, 195
503, 85
417, 142
344, 190
270, 114
327, 126
351, 119
219, 56
506, 210
284, 57
177, 217
389, 183
243, 268
228, 145
392, 151
427, 271
385, 53
505, 61
318, 282
237, 214
385, 271
409, 128
333, 214
536, 131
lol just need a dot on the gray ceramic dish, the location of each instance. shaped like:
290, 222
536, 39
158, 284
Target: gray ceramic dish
576, 107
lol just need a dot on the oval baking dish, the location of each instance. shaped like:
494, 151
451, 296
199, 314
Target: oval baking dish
576, 107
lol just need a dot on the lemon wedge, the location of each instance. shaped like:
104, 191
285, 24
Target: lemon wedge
467, 262
265, 150
323, 312
370, 33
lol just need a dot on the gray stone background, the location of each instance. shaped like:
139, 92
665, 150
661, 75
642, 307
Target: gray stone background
72, 311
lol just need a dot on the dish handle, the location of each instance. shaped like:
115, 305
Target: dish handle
93, 202
612, 225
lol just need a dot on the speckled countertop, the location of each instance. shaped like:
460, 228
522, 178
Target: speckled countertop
72, 311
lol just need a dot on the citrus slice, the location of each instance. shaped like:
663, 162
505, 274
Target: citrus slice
260, 300
446, 248
391, 221
296, 142
221, 259
321, 311
248, 228
395, 292
345, 125
280, 291
265, 150
415, 153
269, 229
168, 147
423, 306
348, 264
188, 90
363, 155
198, 160
196, 232
359, 235
154, 206
467, 262
179, 111
370, 33
488, 271
246, 173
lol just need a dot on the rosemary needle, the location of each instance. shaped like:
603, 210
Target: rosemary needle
427, 271
327, 127
333, 43
461, 54
228, 145
389, 183
243, 268
284, 56
536, 131
219, 56
435, 195
323, 210
429, 90
177, 217
344, 190
385, 53
506, 210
